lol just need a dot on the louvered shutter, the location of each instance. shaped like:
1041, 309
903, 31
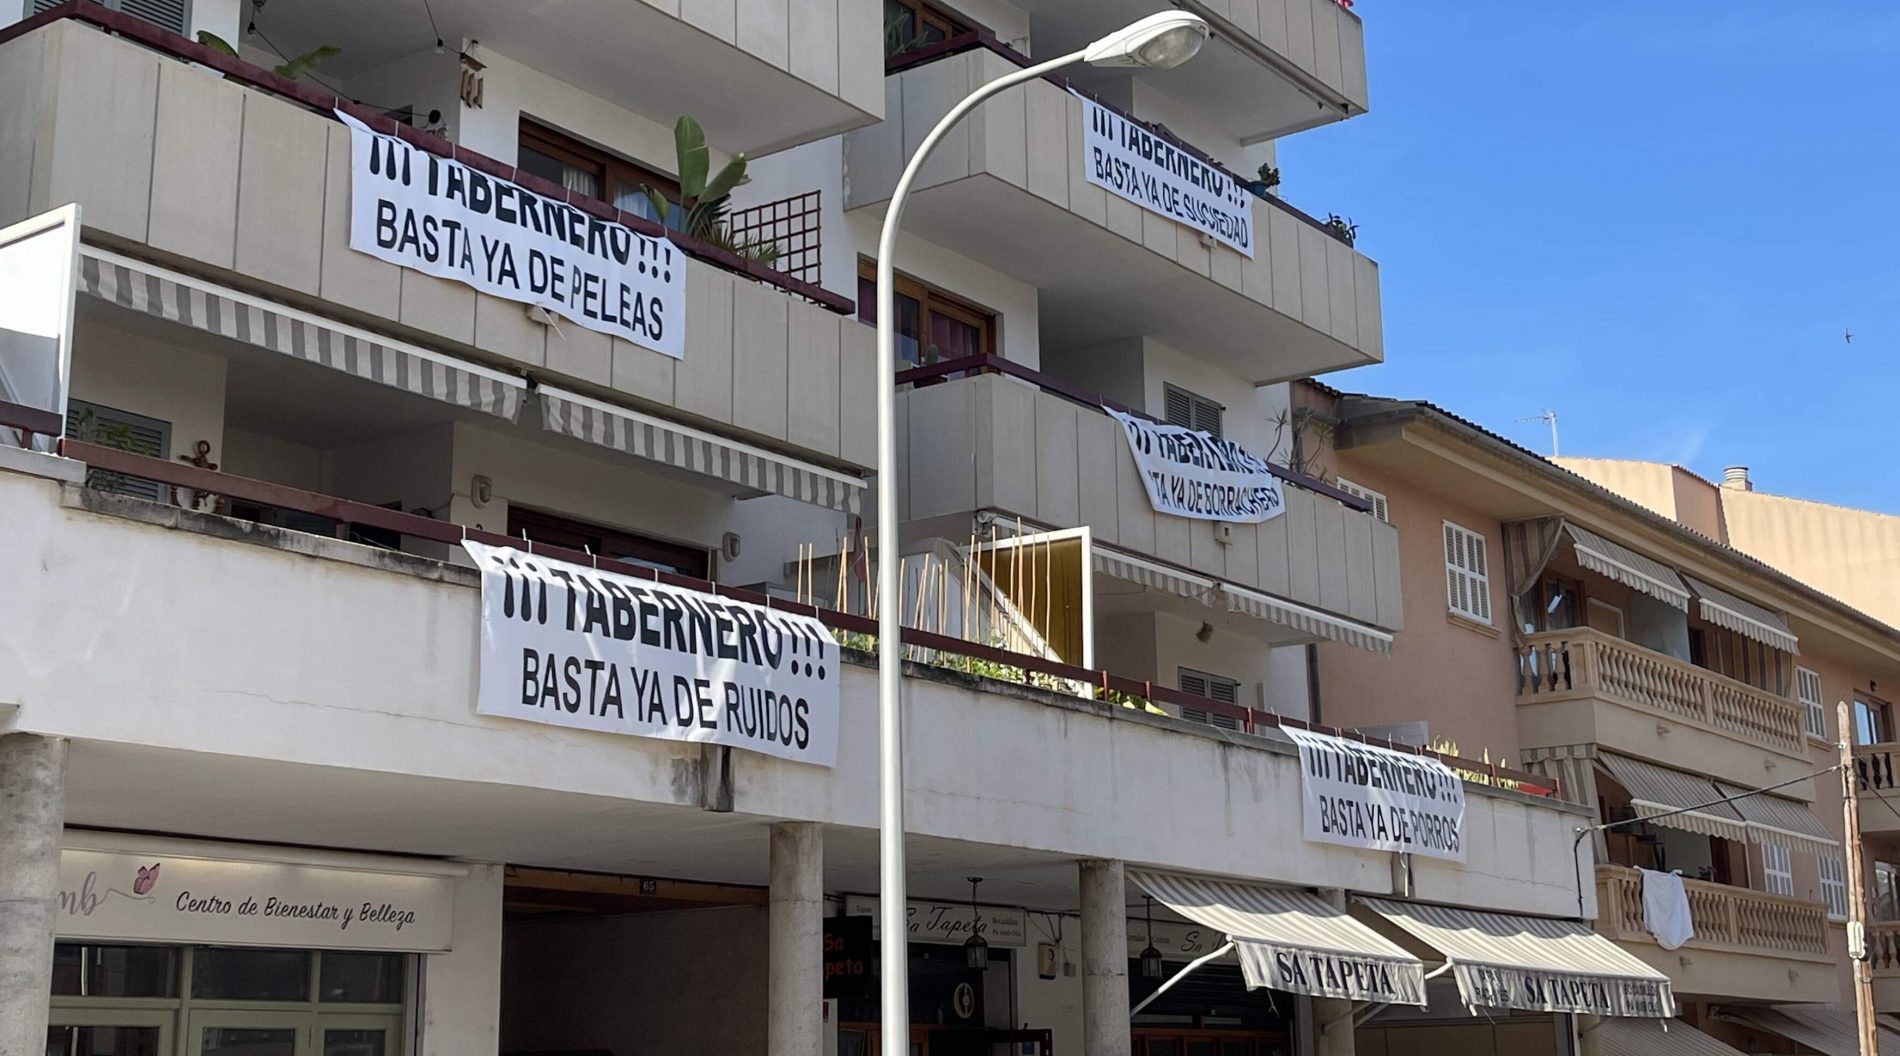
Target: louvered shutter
1213, 687
1467, 573
172, 15
1185, 409
1807, 685
1373, 498
108, 427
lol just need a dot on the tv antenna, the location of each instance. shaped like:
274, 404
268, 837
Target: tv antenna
1548, 417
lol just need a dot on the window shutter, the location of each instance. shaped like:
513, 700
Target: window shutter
1467, 573
132, 432
171, 15
1180, 406
1777, 869
1213, 687
1834, 885
1189, 411
1373, 498
1807, 685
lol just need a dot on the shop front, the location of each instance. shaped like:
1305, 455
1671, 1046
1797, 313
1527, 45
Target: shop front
170, 947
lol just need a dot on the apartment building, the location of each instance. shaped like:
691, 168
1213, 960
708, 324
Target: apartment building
1557, 626
373, 370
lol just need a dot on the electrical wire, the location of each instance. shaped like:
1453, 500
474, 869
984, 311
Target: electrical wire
433, 28
326, 85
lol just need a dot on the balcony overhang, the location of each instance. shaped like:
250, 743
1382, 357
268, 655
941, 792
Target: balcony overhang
754, 87
1301, 66
1007, 189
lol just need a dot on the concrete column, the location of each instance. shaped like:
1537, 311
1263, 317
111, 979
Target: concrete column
795, 988
1332, 1017
1105, 1027
32, 812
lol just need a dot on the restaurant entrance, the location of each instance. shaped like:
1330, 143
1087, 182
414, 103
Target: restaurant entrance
1210, 1013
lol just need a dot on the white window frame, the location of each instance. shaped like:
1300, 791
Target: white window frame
1807, 688
1471, 578
1375, 498
1777, 869
1834, 885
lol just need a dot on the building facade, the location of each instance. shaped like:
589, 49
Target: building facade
1558, 626
340, 390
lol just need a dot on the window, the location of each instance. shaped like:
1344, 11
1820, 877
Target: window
1186, 409
538, 527
1777, 869
125, 431
172, 15
1467, 574
1213, 687
1807, 688
586, 169
912, 24
1834, 885
1360, 491
1870, 721
1556, 603
932, 326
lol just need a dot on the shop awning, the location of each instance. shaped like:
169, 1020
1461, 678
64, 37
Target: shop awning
214, 309
1628, 567
752, 469
1299, 617
1502, 960
1780, 821
1646, 1037
1824, 1030
1743, 617
1128, 567
1654, 789
1294, 940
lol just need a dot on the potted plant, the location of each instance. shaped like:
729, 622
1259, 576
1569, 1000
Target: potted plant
1347, 231
1269, 179
705, 200
292, 70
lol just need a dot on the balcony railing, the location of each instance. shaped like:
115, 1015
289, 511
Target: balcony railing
328, 103
1581, 662
1729, 919
1883, 948
345, 514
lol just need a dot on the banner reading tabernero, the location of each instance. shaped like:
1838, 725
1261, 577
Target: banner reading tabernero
1191, 474
569, 645
1131, 162
439, 216
1358, 795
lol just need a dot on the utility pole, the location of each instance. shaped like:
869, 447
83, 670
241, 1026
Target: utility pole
1856, 894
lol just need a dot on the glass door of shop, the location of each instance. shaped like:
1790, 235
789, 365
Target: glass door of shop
231, 1032
114, 1032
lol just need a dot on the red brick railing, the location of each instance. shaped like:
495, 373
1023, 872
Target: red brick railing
327, 103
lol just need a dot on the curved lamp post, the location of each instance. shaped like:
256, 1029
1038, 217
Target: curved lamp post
1159, 41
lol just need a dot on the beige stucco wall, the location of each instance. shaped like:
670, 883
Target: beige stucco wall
1444, 669
1852, 554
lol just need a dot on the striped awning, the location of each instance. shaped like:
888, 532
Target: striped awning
754, 470
1743, 617
1825, 1030
1628, 567
1128, 567
1656, 789
1310, 621
1503, 960
1293, 940
1781, 821
214, 309
1656, 1037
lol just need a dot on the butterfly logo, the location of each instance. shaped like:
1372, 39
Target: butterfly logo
148, 875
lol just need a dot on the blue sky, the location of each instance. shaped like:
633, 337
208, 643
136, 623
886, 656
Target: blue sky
1655, 219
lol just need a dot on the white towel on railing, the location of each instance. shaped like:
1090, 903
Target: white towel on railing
1666, 909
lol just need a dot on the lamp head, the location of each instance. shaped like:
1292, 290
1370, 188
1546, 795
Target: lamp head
1160, 41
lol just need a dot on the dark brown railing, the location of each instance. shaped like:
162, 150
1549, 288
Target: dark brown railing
984, 40
326, 103
964, 366
31, 420
347, 514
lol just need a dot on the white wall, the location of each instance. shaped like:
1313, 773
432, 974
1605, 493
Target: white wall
811, 167
1246, 419
461, 990
645, 984
131, 372
261, 457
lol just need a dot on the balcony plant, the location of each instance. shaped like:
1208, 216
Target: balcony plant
1269, 179
291, 70
1347, 231
706, 200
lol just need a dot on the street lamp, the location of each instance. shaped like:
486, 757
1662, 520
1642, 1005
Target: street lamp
1159, 41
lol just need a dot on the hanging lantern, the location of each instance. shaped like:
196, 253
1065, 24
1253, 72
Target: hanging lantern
976, 950
1151, 966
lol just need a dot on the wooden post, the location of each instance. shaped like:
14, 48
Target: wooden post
1857, 952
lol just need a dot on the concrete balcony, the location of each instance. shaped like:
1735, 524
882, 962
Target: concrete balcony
1007, 189
991, 442
1876, 788
1883, 944
1273, 67
248, 187
1748, 945
1582, 686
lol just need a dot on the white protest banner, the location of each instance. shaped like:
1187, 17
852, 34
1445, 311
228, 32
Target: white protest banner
1191, 474
435, 215
171, 897
573, 646
1357, 795
1131, 162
